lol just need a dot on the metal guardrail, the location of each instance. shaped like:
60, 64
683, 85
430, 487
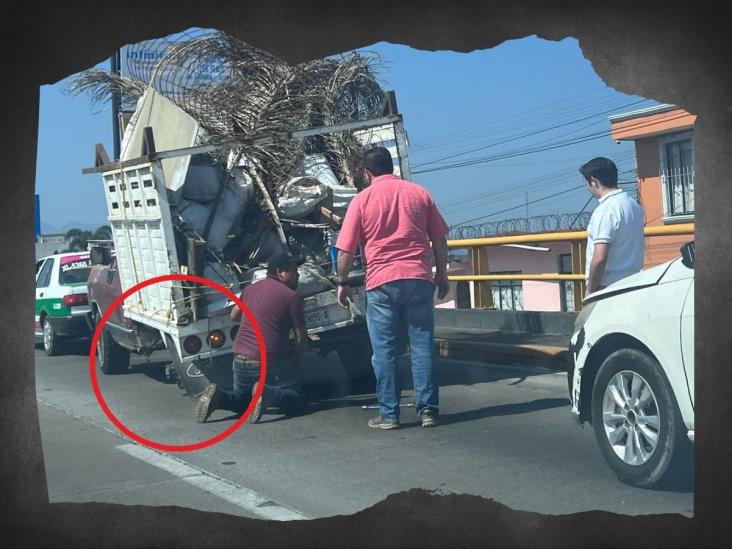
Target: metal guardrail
578, 244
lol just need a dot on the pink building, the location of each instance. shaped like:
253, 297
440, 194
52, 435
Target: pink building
520, 295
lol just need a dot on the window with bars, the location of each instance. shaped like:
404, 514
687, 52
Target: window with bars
677, 174
508, 295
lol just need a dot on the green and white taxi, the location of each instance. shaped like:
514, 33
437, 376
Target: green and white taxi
62, 308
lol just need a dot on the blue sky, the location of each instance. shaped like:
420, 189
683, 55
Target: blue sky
521, 95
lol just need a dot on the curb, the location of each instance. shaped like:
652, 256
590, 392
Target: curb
542, 356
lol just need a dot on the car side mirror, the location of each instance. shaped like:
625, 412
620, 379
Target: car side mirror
687, 254
100, 255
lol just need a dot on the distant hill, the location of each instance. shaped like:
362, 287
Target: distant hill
52, 229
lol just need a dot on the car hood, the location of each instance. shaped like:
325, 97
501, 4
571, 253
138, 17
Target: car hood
643, 279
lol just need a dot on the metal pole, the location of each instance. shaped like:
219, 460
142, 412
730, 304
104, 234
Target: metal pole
115, 62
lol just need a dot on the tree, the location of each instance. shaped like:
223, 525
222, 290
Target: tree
78, 239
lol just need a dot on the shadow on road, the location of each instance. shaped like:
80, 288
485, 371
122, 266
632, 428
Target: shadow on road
504, 410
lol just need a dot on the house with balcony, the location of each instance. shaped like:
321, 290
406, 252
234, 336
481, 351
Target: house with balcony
664, 148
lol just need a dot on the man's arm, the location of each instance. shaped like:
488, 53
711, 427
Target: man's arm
301, 340
345, 262
600, 253
235, 313
297, 315
439, 248
348, 240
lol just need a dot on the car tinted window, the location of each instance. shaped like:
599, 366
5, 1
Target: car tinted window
74, 270
44, 277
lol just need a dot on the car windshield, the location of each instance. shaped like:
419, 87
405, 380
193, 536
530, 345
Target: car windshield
74, 270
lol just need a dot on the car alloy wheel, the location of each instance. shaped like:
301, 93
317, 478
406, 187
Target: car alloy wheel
47, 335
631, 417
637, 422
50, 340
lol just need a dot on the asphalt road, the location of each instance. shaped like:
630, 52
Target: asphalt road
505, 434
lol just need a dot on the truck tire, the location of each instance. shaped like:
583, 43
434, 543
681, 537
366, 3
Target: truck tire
51, 341
111, 358
636, 419
355, 356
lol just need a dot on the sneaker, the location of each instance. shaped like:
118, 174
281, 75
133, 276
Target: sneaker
261, 405
429, 418
379, 423
207, 403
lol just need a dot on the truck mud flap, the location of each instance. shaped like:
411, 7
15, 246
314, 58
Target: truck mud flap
194, 377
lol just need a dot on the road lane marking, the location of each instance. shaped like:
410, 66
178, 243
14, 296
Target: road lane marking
233, 493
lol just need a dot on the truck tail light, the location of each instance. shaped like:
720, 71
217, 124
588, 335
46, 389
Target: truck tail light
192, 344
216, 339
74, 300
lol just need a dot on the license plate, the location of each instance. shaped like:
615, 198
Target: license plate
316, 318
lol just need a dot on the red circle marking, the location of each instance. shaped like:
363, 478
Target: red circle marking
151, 443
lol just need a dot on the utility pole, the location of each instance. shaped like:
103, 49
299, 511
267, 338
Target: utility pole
528, 229
115, 62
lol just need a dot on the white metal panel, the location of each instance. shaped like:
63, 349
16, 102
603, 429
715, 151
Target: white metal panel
173, 128
139, 215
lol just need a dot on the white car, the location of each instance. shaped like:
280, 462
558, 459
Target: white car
633, 370
62, 308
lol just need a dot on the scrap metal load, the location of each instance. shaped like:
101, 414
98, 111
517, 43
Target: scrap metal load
235, 206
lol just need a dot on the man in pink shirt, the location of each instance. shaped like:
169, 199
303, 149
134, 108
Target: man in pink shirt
396, 220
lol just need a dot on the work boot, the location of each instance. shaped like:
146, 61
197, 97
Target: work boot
379, 423
207, 403
429, 418
261, 405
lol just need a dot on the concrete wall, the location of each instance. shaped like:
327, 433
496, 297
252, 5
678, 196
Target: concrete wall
528, 322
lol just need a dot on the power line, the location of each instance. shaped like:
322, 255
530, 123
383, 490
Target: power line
427, 144
526, 121
514, 189
525, 203
525, 151
519, 206
530, 134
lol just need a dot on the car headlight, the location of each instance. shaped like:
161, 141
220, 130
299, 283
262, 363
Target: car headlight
583, 315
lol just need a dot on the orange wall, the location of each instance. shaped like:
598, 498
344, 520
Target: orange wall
659, 249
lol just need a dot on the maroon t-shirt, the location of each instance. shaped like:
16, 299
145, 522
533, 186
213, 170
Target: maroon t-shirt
277, 309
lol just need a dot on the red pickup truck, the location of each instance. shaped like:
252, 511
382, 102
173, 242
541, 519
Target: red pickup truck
120, 335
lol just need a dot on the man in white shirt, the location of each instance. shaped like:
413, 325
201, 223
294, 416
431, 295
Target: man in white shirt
615, 242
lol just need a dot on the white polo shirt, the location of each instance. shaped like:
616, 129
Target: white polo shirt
618, 221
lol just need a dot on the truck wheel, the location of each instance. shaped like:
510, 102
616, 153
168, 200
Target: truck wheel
355, 356
51, 341
635, 417
111, 357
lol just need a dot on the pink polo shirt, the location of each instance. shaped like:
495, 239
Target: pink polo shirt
396, 219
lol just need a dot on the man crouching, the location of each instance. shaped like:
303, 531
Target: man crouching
278, 308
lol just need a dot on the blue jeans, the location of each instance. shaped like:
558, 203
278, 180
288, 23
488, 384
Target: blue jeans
388, 308
285, 392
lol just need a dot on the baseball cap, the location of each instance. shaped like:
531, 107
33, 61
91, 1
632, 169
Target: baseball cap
282, 260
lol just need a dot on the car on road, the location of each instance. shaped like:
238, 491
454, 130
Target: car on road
62, 308
632, 375
120, 335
